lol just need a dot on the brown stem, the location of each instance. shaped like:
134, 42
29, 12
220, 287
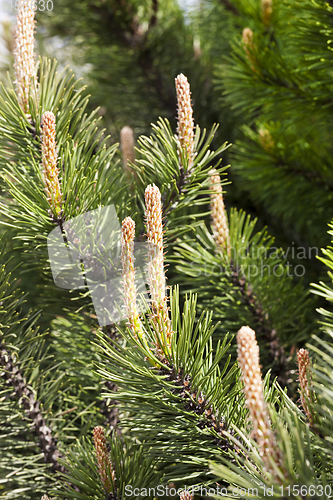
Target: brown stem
200, 405
110, 410
25, 395
264, 329
183, 180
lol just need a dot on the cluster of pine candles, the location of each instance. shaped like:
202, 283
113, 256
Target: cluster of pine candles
26, 82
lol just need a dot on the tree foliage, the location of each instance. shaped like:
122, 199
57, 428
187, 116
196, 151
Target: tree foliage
163, 397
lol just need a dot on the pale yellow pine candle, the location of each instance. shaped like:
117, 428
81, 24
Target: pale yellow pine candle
24, 57
247, 37
219, 216
130, 290
156, 274
185, 127
127, 146
248, 359
49, 162
266, 11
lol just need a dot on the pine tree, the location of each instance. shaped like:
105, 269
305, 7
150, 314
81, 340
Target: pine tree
264, 110
275, 81
112, 390
133, 48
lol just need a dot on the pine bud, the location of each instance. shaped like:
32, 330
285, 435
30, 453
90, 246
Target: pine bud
266, 139
105, 470
130, 291
185, 495
247, 36
266, 11
248, 359
127, 146
249, 47
24, 62
303, 360
185, 128
49, 162
156, 276
219, 215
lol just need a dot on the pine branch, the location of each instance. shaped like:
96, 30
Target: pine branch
102, 469
183, 181
186, 383
199, 404
164, 91
264, 329
221, 234
310, 176
24, 394
133, 37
